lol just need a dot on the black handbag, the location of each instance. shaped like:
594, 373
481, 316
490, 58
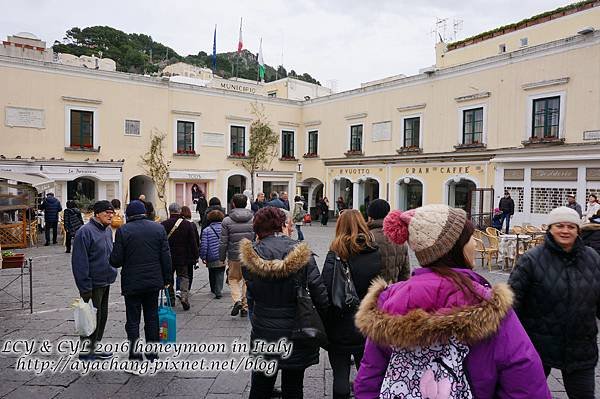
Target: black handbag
308, 326
343, 291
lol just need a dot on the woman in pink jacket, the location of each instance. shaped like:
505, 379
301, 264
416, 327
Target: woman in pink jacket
444, 333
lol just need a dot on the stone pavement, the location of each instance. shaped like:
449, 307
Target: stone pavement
207, 321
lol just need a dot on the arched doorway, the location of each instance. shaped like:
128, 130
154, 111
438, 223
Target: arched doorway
409, 194
236, 184
83, 191
368, 191
344, 188
459, 190
141, 184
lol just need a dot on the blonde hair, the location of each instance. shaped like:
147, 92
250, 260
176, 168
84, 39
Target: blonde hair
352, 235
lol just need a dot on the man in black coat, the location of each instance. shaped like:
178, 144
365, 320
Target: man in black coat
142, 250
51, 207
184, 250
213, 204
507, 207
557, 299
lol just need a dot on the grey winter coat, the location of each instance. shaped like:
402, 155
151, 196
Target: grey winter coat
235, 227
395, 265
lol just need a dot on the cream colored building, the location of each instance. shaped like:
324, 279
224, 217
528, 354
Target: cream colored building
526, 120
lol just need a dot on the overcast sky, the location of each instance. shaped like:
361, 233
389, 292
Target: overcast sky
348, 41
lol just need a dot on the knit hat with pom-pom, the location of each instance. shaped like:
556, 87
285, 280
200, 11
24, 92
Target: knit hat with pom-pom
431, 230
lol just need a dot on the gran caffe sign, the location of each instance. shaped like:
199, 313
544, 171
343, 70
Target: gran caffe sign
410, 170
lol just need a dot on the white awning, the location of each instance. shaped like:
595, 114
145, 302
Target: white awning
38, 182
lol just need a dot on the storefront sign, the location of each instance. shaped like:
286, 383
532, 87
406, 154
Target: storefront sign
24, 117
442, 170
354, 171
565, 174
192, 175
514, 174
592, 174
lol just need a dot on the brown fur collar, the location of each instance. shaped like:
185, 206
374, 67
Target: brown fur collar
590, 227
276, 268
418, 328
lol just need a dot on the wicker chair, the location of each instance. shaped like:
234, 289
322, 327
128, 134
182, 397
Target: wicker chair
492, 231
517, 230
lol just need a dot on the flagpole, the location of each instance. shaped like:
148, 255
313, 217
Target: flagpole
258, 61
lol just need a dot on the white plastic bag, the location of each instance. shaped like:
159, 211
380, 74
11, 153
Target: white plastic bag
85, 317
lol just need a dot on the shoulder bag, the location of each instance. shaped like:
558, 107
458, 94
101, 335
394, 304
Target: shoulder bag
308, 326
343, 291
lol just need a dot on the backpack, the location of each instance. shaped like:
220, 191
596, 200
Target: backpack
117, 220
299, 213
433, 372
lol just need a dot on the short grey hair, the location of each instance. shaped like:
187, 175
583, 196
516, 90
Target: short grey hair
174, 208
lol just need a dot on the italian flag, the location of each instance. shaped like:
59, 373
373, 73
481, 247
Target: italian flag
261, 63
240, 41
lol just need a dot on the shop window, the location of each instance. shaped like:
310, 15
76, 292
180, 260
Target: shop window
517, 194
82, 129
185, 137
545, 121
356, 138
287, 144
472, 129
313, 143
544, 199
238, 141
412, 130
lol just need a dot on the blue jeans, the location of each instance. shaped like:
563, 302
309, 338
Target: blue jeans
300, 235
505, 216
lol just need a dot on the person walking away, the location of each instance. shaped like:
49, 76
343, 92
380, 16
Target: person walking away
73, 221
209, 252
341, 205
557, 293
298, 216
276, 202
324, 207
141, 250
259, 203
593, 208
236, 227
445, 325
395, 265
93, 273
150, 212
201, 206
507, 207
571, 203
284, 198
353, 247
272, 268
118, 219
590, 232
213, 204
186, 213
183, 246
51, 207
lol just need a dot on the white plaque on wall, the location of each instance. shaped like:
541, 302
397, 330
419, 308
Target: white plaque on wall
213, 139
24, 117
382, 131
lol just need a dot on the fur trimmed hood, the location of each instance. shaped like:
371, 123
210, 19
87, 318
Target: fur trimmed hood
295, 260
468, 324
591, 226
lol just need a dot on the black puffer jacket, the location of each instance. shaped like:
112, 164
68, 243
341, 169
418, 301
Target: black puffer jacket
271, 269
142, 250
51, 207
341, 331
72, 220
557, 297
183, 243
590, 234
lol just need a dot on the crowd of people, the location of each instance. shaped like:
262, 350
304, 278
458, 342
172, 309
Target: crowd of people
442, 330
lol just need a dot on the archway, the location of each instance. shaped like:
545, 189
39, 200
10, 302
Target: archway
368, 190
459, 190
141, 185
344, 188
409, 194
236, 184
82, 190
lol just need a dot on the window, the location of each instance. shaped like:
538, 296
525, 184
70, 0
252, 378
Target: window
546, 113
524, 42
356, 138
272, 94
472, 126
82, 129
132, 127
185, 137
502, 48
412, 128
238, 141
287, 144
313, 140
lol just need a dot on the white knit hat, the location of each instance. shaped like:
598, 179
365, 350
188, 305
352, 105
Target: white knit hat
563, 214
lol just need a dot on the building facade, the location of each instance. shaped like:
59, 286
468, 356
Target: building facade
526, 120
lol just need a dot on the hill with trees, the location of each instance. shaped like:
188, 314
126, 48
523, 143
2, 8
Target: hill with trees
138, 53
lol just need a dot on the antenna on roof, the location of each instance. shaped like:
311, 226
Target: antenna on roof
440, 31
457, 25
